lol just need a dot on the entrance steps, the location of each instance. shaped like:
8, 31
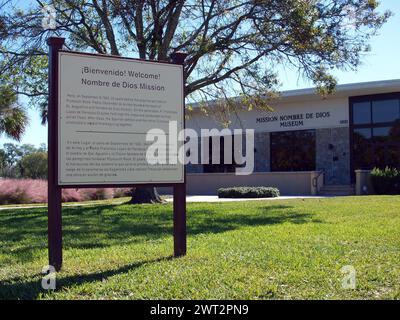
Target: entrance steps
337, 190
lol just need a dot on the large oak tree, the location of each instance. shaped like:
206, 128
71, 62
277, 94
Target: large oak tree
234, 47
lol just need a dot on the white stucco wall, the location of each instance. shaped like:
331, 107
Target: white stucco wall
285, 116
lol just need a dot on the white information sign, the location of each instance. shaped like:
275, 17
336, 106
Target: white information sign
106, 107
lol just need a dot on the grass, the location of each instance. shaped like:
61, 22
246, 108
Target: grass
291, 249
68, 204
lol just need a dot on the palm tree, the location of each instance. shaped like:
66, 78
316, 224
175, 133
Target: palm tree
13, 118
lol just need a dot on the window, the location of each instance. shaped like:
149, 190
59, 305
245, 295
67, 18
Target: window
376, 111
376, 147
376, 131
393, 156
224, 165
385, 111
362, 134
363, 155
381, 134
293, 151
362, 113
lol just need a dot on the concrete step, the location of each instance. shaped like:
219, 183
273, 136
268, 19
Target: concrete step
336, 194
338, 187
337, 190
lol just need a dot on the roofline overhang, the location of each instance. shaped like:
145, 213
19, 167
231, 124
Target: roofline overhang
342, 91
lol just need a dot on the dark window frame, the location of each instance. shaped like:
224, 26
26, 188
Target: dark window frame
372, 125
372, 110
314, 165
370, 113
222, 167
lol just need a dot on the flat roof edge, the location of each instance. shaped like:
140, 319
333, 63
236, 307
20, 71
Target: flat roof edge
342, 90
348, 87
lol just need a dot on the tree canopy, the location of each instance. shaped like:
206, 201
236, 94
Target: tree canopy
23, 161
233, 47
13, 117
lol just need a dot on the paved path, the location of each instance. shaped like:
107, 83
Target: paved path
216, 199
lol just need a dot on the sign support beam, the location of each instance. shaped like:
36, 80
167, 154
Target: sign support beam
180, 220
53, 189
180, 191
54, 168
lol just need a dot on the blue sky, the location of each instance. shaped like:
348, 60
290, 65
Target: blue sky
382, 63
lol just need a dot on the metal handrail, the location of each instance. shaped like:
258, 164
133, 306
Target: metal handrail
315, 180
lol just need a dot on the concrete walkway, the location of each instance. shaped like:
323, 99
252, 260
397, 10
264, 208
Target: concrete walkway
216, 199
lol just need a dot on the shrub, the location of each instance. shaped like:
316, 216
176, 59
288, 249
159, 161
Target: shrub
25, 191
248, 192
122, 192
386, 181
71, 195
14, 191
97, 194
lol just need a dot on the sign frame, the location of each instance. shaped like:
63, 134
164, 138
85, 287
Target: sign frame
54, 188
114, 183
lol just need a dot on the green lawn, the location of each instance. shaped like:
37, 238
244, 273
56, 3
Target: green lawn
291, 249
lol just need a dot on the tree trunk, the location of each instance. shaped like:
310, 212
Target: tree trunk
145, 195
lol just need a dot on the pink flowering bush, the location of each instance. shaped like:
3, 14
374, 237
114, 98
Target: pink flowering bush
21, 191
17, 191
122, 192
71, 195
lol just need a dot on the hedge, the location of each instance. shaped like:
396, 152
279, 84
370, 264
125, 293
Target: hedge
25, 191
386, 181
248, 192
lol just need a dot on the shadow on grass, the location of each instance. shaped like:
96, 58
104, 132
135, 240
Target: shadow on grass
31, 288
24, 232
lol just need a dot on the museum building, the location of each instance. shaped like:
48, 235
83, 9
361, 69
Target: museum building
308, 144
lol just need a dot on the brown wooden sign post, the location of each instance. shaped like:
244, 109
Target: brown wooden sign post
53, 189
180, 194
54, 158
